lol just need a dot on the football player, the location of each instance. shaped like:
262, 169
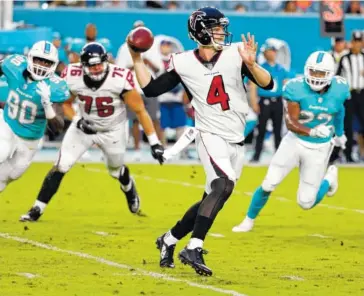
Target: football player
32, 89
103, 90
314, 112
212, 75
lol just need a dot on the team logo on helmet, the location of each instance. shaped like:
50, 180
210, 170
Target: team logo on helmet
196, 16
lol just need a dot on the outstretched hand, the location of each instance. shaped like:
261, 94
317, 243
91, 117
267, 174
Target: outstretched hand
248, 50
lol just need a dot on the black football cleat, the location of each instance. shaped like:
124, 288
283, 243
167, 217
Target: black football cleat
33, 215
166, 253
132, 198
194, 258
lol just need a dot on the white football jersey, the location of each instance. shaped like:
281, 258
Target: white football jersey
218, 94
103, 106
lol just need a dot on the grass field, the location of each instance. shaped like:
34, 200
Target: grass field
87, 242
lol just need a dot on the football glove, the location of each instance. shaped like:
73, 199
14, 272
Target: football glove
86, 126
340, 141
321, 131
157, 152
44, 91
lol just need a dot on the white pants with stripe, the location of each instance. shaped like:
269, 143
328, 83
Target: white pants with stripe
219, 158
76, 143
312, 160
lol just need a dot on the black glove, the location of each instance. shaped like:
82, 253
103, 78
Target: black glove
86, 126
157, 152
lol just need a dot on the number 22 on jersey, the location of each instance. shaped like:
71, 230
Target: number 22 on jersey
217, 93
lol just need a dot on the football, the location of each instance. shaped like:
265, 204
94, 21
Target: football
140, 39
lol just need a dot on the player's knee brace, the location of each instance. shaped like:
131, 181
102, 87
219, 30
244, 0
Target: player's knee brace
221, 191
224, 186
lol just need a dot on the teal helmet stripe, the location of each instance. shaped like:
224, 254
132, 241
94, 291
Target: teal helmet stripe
47, 47
320, 57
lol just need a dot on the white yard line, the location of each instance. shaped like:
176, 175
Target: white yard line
236, 192
216, 235
292, 277
27, 275
282, 199
101, 260
102, 233
319, 235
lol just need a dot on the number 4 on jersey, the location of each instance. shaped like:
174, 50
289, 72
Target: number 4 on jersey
217, 94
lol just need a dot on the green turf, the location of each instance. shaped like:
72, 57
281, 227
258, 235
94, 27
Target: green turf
262, 262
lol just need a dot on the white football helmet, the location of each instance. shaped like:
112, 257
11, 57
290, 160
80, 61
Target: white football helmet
42, 51
322, 64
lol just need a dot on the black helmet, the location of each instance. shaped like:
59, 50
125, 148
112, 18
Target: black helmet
201, 24
93, 54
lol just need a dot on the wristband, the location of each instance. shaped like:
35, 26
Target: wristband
153, 139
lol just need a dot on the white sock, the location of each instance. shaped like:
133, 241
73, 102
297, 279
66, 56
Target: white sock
169, 239
195, 243
41, 205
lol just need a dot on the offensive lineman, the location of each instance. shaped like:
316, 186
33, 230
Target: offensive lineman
212, 77
32, 88
103, 90
314, 112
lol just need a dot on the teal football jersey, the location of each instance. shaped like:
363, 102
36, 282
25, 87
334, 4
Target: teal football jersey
317, 109
23, 111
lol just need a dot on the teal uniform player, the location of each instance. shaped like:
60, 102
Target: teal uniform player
32, 88
319, 109
315, 119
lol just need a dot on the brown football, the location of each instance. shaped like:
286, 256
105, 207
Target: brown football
140, 39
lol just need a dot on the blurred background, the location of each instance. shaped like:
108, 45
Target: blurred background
287, 32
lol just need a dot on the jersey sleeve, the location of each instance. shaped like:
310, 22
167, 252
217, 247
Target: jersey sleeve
13, 66
70, 74
290, 91
339, 121
343, 88
59, 91
129, 81
64, 73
